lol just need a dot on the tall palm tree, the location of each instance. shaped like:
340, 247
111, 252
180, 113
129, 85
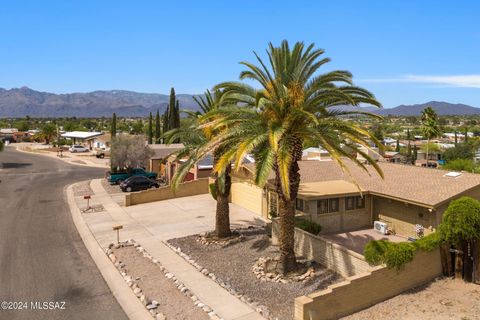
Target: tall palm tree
293, 106
430, 128
196, 138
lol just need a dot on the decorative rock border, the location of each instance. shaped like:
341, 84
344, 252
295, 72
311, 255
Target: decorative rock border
204, 239
261, 309
259, 270
151, 306
92, 209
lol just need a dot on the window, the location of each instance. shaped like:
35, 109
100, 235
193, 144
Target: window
299, 204
322, 206
328, 205
360, 203
352, 203
333, 205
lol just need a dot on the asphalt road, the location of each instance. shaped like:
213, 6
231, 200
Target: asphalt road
42, 257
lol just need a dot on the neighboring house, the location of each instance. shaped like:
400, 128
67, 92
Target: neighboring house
394, 157
103, 141
316, 154
407, 196
84, 138
7, 134
372, 152
160, 162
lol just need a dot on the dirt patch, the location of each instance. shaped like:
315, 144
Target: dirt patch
82, 189
440, 300
233, 265
172, 303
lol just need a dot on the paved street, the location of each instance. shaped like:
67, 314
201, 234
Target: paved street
42, 257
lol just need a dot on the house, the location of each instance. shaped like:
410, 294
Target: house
394, 157
103, 141
159, 161
407, 196
82, 137
316, 154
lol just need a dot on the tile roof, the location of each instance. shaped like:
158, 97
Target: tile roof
424, 186
161, 151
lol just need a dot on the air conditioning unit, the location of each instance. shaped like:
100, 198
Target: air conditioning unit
380, 227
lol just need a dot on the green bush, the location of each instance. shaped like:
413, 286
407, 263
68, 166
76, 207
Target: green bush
429, 243
213, 190
461, 165
461, 221
397, 255
374, 251
308, 226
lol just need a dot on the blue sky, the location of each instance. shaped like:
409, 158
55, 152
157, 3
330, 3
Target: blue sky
403, 51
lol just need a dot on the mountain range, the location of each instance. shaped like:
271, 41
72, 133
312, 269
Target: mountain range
20, 102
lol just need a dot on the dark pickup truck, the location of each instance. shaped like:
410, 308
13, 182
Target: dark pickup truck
118, 177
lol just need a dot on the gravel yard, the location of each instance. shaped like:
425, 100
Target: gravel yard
111, 189
233, 265
440, 300
82, 189
172, 303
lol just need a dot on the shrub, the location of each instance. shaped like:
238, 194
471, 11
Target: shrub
460, 165
397, 255
429, 243
461, 221
308, 226
461, 151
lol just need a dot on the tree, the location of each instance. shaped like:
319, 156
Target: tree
157, 127
150, 129
460, 226
196, 138
137, 127
460, 151
171, 118
415, 154
456, 138
129, 152
48, 132
1, 145
429, 127
292, 107
466, 135
113, 129
397, 147
409, 146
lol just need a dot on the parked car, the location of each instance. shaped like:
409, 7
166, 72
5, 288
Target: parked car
118, 177
102, 153
137, 183
78, 148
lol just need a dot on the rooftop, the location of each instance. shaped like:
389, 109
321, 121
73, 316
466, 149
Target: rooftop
161, 151
81, 134
423, 186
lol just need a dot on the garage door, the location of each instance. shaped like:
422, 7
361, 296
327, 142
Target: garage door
248, 196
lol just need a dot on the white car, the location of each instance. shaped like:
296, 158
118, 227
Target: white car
78, 148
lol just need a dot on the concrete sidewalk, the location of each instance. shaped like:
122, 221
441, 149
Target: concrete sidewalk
208, 291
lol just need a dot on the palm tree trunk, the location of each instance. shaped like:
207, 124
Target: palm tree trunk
222, 216
287, 206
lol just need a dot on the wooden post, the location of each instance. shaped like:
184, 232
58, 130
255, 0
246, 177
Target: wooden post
117, 228
87, 197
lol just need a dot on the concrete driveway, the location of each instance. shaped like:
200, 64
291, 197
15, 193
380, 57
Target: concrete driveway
186, 216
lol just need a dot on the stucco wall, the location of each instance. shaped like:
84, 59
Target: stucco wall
325, 252
402, 217
341, 221
363, 290
186, 189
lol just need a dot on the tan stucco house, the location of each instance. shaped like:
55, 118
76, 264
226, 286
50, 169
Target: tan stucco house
407, 195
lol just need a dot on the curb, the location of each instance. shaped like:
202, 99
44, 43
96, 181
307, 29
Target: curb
132, 307
91, 165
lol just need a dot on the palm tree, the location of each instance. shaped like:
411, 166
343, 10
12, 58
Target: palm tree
293, 106
430, 127
48, 132
196, 138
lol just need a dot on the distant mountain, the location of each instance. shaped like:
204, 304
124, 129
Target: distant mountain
20, 102
442, 108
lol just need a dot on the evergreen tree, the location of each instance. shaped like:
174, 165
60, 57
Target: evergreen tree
150, 129
157, 127
397, 148
466, 135
415, 154
165, 121
409, 146
456, 138
171, 110
113, 129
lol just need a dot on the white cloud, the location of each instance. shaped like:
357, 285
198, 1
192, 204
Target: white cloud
465, 81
